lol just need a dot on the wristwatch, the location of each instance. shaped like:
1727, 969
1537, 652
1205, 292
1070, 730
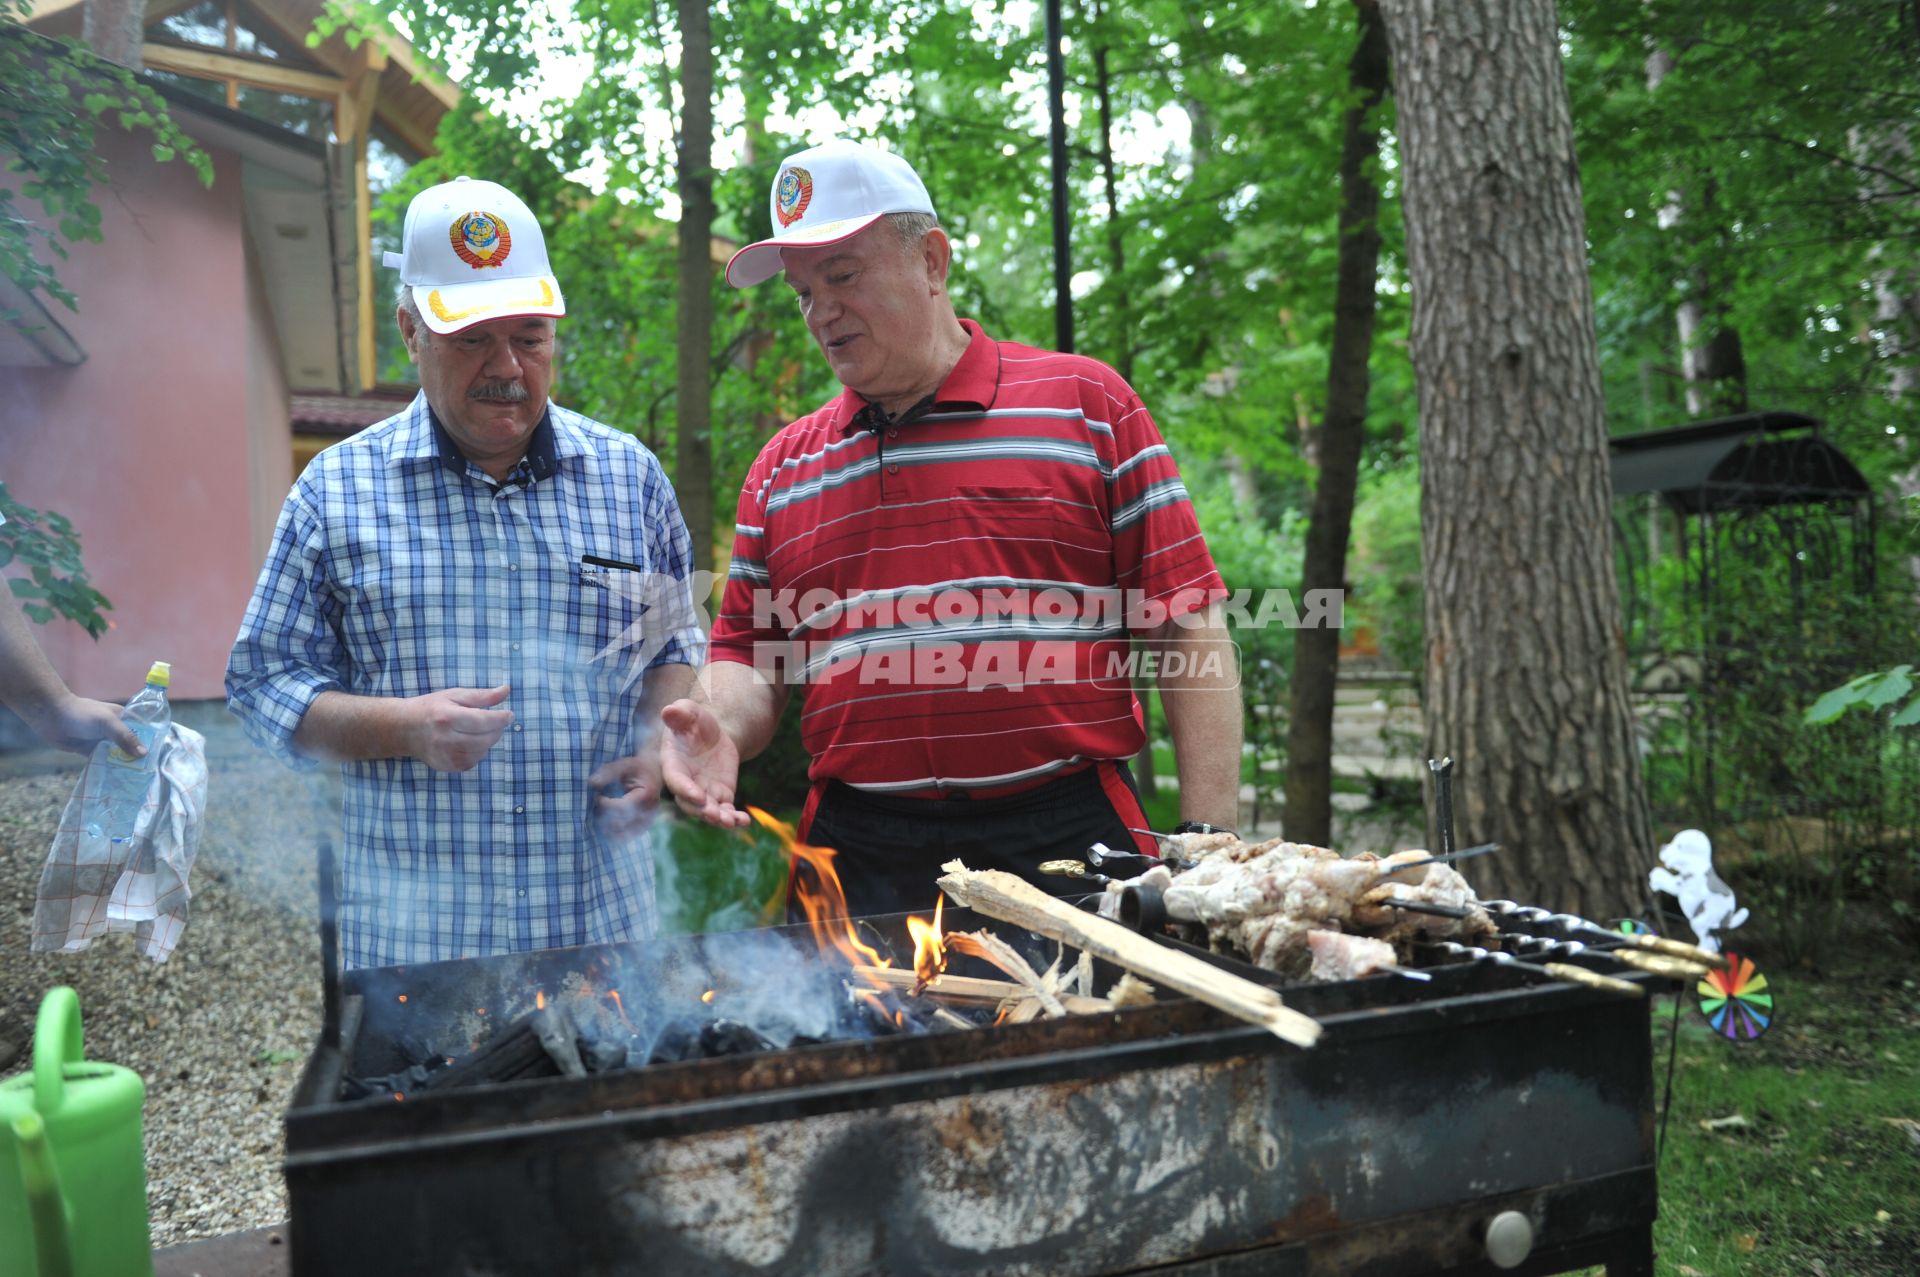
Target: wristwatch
1202, 827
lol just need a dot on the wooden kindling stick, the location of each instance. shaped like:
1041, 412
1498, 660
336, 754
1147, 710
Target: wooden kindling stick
1009, 899
971, 990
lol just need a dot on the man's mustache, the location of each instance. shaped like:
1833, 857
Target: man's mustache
498, 392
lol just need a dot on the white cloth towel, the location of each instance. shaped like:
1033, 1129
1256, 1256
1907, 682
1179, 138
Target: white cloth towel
93, 885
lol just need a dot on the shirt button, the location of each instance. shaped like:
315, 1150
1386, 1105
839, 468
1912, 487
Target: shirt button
519, 810
513, 567
521, 892
893, 469
516, 647
516, 727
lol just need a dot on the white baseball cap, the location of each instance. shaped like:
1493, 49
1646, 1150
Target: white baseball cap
472, 252
826, 194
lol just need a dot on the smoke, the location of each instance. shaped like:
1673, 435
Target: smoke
760, 979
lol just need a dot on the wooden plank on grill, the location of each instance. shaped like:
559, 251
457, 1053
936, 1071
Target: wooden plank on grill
1009, 899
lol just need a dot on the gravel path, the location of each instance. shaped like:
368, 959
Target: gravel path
219, 1031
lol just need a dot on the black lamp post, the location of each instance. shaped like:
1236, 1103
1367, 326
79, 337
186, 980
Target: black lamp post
1057, 136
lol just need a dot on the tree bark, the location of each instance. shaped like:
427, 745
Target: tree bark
1526, 674
115, 30
693, 439
1316, 651
1712, 362
1144, 773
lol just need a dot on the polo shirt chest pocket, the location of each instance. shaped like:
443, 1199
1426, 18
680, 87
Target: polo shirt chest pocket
1016, 531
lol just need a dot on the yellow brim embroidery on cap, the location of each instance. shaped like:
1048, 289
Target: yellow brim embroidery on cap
445, 316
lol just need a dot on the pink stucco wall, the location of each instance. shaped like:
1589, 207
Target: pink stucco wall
156, 446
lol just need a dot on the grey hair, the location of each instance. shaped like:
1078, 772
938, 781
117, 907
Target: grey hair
912, 228
410, 306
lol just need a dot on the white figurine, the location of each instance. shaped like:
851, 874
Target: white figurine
1687, 874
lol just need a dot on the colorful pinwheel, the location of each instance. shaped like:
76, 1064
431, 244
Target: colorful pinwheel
1735, 1001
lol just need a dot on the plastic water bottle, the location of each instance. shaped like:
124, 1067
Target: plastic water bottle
114, 806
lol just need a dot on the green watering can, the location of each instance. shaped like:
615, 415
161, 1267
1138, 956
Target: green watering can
73, 1180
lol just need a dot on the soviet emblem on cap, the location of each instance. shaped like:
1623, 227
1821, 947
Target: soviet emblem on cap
480, 239
796, 191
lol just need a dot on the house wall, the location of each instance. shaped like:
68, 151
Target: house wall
148, 446
269, 419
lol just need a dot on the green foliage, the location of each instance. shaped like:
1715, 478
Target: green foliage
54, 96
1258, 558
1787, 148
56, 583
709, 879
1819, 804
1389, 598
1872, 692
1223, 319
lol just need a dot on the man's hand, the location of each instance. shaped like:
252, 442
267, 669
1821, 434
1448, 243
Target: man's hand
700, 764
77, 724
453, 730
638, 777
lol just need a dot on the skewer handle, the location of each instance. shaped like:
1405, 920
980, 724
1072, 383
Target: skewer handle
1676, 949
1659, 964
1592, 979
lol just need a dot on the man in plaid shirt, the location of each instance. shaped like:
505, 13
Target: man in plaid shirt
477, 607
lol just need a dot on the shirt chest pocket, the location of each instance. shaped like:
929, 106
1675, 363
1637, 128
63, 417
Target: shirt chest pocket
1001, 530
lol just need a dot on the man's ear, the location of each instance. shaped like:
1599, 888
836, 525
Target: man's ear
936, 251
409, 331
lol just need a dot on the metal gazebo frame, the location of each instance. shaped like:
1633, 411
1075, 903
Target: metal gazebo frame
1754, 492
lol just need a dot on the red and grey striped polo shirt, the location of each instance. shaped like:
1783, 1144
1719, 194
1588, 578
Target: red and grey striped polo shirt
955, 587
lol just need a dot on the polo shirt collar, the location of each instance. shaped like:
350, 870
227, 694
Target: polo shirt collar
973, 383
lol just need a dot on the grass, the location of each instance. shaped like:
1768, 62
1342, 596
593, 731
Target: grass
1821, 1174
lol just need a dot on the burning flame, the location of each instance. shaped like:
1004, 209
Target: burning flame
707, 996
821, 896
929, 954
621, 1007
403, 997
540, 1000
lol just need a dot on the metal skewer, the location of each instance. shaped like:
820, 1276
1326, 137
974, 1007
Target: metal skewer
1658, 944
1422, 906
1443, 800
1468, 853
1653, 964
1558, 970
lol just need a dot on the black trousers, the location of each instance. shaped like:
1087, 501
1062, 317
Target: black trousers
890, 849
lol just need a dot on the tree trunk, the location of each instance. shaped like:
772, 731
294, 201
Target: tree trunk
1526, 676
1712, 362
693, 441
1316, 650
115, 30
1145, 775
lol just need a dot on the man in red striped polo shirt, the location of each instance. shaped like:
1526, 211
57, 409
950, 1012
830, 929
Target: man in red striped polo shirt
950, 559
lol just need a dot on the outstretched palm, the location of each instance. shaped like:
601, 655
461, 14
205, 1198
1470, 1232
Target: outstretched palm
700, 764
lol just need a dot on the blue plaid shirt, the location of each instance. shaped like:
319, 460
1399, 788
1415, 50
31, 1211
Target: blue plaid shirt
399, 568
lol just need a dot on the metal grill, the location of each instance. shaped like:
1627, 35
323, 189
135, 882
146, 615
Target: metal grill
1491, 1112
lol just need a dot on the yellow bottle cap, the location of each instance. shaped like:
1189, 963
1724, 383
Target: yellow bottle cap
161, 675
